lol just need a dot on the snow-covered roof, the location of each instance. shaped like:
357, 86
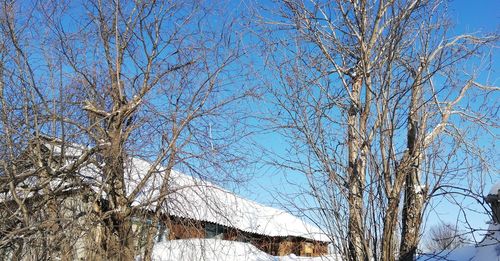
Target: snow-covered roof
190, 197
495, 188
196, 199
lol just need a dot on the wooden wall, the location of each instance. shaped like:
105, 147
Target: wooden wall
301, 247
278, 246
231, 234
184, 229
287, 247
320, 248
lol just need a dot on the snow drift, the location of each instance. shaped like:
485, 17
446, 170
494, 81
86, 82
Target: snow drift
487, 250
218, 250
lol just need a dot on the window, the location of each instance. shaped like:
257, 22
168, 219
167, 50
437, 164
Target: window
163, 232
214, 231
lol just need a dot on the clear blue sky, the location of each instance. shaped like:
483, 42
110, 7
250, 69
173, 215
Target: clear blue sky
476, 15
469, 16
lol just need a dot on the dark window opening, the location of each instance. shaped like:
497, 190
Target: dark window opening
214, 231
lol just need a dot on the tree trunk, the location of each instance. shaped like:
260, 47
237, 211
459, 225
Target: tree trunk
148, 248
52, 217
412, 215
356, 172
389, 244
390, 224
114, 171
414, 192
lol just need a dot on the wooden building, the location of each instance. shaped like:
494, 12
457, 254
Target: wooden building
180, 228
195, 208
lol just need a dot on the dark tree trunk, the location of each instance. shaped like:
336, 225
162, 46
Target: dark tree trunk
114, 173
390, 224
356, 172
412, 216
414, 192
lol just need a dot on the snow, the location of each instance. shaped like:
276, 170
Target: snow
70, 149
207, 249
495, 188
459, 254
201, 200
487, 250
219, 250
197, 199
419, 188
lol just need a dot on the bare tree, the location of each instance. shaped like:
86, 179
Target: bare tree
112, 80
443, 237
375, 100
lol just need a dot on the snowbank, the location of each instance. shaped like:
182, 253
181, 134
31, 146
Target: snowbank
487, 250
219, 250
207, 249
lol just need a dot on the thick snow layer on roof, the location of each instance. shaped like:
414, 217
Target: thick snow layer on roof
219, 250
193, 198
71, 150
200, 200
487, 250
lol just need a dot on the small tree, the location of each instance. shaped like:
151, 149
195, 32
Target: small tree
444, 237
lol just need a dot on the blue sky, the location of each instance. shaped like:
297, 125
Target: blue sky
475, 15
468, 16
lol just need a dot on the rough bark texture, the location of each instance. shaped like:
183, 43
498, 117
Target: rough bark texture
120, 219
414, 192
412, 216
356, 172
388, 250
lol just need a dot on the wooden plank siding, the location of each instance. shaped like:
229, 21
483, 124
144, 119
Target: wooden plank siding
180, 228
185, 228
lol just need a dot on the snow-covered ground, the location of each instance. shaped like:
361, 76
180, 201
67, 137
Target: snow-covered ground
222, 250
487, 250
219, 250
